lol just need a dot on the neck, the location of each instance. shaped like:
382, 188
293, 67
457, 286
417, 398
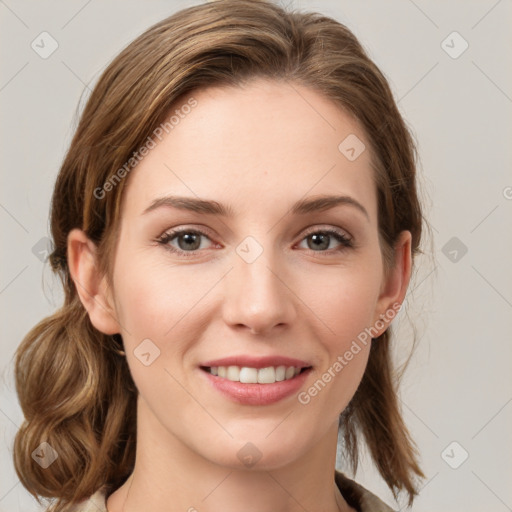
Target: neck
170, 476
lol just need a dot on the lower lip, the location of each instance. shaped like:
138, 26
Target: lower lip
257, 394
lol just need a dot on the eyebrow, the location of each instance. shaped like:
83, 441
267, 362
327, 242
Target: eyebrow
210, 207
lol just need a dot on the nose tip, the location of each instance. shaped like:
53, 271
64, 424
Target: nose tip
255, 298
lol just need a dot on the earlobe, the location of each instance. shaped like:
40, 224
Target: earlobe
395, 286
90, 284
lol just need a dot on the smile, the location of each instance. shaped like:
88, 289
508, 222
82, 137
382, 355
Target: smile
248, 375
263, 387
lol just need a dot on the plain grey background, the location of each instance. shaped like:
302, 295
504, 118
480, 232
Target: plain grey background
457, 391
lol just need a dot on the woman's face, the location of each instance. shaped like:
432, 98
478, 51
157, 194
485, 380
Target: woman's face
266, 282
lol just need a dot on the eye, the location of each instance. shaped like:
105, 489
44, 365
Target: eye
320, 240
188, 241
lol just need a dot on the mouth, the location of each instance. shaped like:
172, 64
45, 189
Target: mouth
251, 375
251, 386
256, 380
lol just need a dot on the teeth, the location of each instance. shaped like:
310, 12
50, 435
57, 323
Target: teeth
280, 373
248, 375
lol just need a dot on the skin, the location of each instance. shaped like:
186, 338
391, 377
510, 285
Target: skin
257, 149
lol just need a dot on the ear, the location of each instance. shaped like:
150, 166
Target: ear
394, 285
91, 286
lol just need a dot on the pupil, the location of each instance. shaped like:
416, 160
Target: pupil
190, 238
319, 243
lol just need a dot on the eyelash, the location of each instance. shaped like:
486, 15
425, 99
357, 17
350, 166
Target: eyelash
346, 243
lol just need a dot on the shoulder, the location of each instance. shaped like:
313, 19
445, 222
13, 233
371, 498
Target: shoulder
359, 497
96, 503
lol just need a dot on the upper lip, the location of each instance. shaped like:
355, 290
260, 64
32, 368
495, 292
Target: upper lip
257, 362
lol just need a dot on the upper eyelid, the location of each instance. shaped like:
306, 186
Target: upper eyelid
206, 230
316, 227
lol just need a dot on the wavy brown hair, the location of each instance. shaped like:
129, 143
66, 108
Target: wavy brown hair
75, 389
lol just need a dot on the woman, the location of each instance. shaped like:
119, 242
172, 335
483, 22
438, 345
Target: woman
234, 223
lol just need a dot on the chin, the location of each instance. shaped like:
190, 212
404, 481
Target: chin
258, 454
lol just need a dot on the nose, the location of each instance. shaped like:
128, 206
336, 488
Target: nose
258, 295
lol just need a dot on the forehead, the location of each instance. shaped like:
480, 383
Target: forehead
271, 141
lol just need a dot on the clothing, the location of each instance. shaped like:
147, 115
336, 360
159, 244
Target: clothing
355, 495
358, 497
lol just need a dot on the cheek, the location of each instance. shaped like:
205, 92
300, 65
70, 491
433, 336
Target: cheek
155, 307
344, 306
154, 300
344, 300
